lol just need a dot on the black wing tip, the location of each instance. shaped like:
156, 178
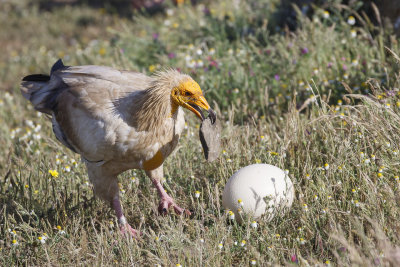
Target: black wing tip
57, 66
36, 78
43, 77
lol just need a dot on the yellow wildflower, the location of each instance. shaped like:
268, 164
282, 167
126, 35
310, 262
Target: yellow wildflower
102, 51
152, 68
53, 173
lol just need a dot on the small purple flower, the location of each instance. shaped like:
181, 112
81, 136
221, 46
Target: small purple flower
330, 64
171, 55
344, 67
122, 51
205, 69
206, 11
277, 78
290, 45
230, 73
391, 93
268, 52
343, 58
155, 36
304, 50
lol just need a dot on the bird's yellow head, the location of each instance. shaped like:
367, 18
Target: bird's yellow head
188, 94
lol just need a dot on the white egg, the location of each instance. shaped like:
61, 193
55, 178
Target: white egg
258, 189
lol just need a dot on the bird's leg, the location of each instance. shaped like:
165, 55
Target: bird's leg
106, 187
123, 224
166, 200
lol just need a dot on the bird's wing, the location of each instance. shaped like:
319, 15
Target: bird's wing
125, 81
85, 111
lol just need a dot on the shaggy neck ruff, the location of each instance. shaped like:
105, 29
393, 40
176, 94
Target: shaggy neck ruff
155, 105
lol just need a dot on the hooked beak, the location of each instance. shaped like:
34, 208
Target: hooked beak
200, 102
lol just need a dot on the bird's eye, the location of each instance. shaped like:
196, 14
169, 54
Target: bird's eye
188, 93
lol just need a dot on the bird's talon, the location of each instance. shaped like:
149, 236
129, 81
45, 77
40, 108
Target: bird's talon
166, 203
128, 231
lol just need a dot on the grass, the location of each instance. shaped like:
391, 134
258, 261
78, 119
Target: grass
257, 76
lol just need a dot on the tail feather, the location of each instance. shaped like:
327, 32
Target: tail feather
37, 93
57, 66
41, 90
37, 78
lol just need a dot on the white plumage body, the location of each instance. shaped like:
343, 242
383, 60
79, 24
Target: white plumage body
117, 120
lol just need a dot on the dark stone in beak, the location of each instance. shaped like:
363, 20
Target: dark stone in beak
212, 115
210, 137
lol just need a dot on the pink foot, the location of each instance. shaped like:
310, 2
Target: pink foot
166, 202
124, 226
127, 230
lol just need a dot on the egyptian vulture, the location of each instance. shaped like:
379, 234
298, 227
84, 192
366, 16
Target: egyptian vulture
117, 120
